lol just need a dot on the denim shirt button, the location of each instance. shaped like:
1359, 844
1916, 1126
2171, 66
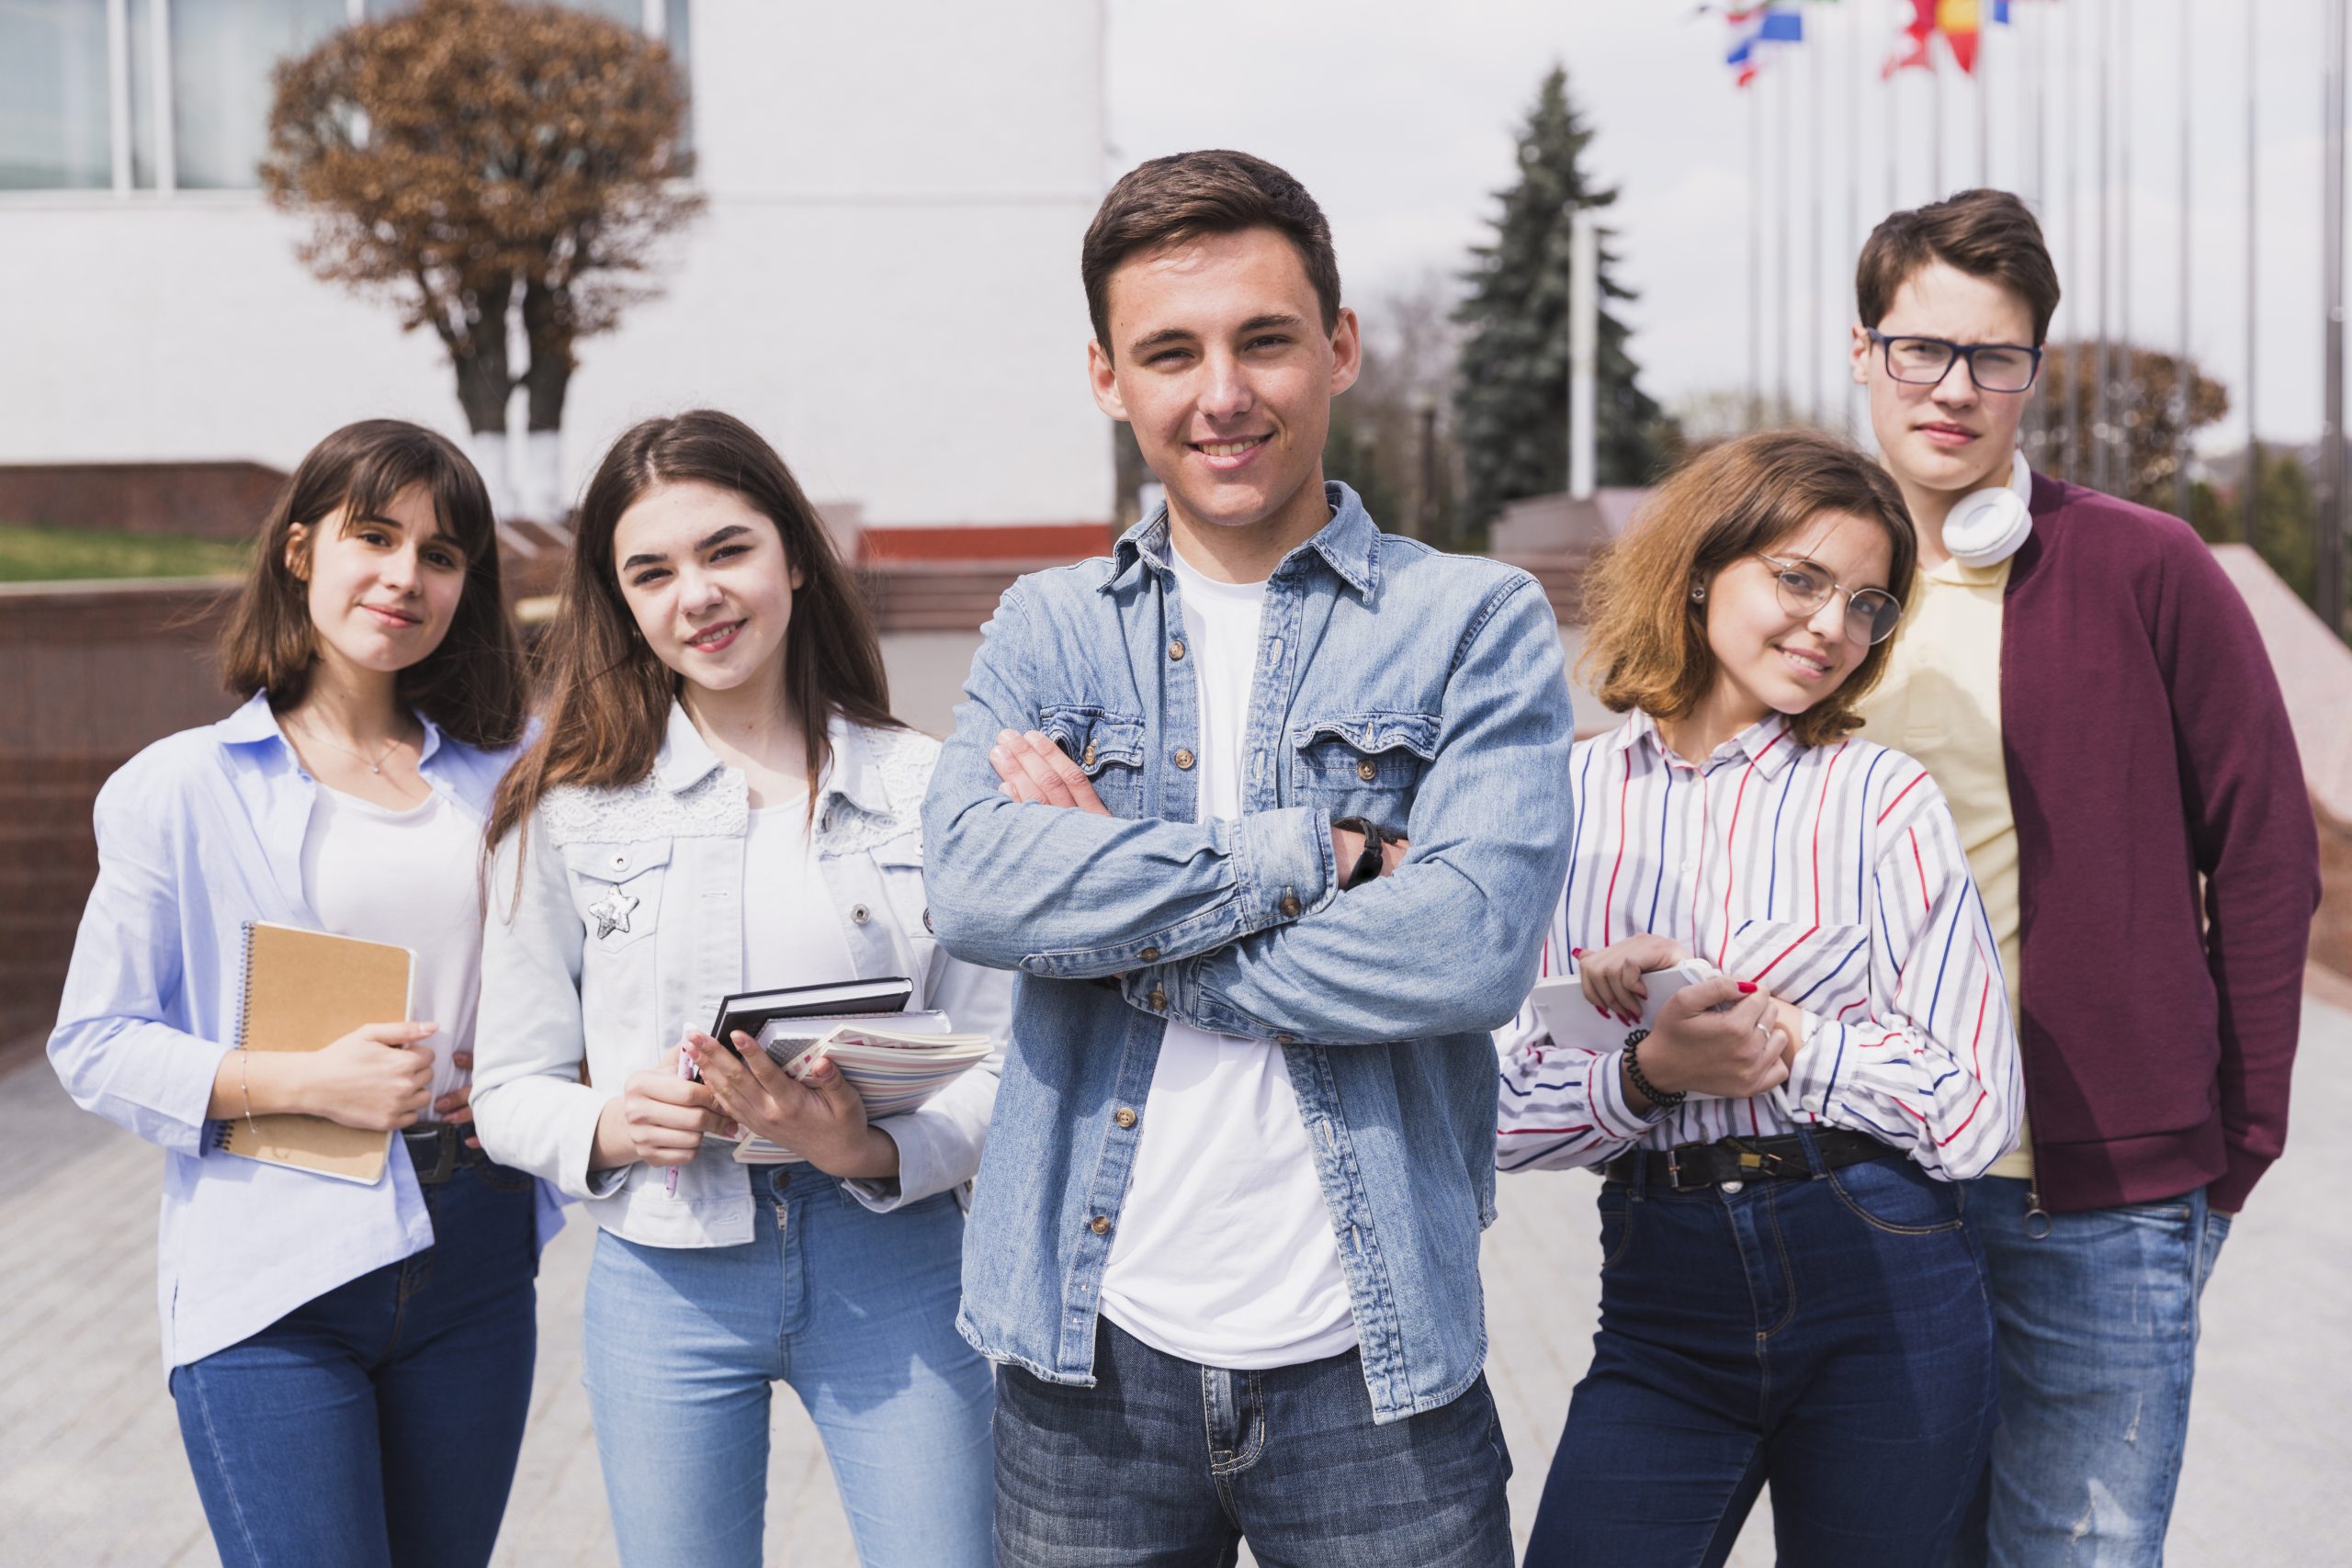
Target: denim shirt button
1087, 757
1099, 1224
1176, 649
1149, 956
1289, 906
1158, 999
1184, 757
1367, 770
1286, 1039
1125, 1118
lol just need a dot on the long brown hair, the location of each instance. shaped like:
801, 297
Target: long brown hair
1646, 639
608, 696
471, 685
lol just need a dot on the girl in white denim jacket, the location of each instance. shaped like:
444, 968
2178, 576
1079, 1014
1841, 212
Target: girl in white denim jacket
721, 803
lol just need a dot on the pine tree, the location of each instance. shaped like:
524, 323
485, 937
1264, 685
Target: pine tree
1511, 404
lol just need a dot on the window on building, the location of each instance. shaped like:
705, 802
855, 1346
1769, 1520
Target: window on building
221, 56
56, 102
174, 94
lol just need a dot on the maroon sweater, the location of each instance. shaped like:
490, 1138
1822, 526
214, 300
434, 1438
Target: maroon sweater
2147, 748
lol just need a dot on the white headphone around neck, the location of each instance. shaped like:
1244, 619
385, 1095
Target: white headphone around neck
1988, 526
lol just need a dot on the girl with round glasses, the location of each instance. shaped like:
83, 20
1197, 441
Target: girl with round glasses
1787, 1292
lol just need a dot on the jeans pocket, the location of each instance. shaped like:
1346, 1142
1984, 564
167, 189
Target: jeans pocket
1616, 1225
1896, 1196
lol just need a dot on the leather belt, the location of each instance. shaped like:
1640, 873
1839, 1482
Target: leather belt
1687, 1168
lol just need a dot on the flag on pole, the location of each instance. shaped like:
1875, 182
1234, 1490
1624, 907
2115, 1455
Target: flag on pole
1757, 31
1957, 20
1960, 21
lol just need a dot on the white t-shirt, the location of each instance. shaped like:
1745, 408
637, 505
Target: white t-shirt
410, 878
1225, 1253
792, 934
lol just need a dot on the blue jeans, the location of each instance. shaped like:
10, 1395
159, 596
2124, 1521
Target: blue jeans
1830, 1336
2098, 1346
378, 1424
1165, 1463
856, 1311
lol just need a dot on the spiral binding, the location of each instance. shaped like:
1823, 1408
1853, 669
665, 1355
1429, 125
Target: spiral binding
227, 1125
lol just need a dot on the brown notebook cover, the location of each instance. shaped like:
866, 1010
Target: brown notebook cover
305, 990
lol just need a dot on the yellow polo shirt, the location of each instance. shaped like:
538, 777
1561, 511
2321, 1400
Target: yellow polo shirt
1940, 700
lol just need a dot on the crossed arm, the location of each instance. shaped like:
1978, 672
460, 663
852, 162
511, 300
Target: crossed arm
1235, 925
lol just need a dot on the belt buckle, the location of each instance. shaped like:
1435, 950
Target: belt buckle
445, 1154
1674, 1172
1759, 1161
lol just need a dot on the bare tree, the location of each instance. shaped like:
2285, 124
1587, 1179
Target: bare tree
469, 156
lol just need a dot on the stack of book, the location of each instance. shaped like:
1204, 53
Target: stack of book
895, 1059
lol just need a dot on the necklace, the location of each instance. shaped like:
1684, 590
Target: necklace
375, 764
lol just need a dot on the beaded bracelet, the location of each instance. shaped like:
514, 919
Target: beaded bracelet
1656, 1096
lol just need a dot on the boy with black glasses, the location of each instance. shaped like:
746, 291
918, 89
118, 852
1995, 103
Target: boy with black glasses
2093, 697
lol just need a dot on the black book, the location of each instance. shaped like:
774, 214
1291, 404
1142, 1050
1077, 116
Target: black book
750, 1011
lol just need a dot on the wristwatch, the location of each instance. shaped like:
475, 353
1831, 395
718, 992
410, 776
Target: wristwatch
1368, 865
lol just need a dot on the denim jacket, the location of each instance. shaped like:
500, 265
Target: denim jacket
627, 930
1420, 690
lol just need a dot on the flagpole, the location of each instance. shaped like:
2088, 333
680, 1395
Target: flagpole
1855, 87
2250, 503
2127, 357
2182, 403
2329, 554
2099, 453
1890, 103
1813, 345
1983, 97
1755, 256
2078, 406
1780, 274
1936, 165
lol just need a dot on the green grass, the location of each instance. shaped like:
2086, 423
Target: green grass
30, 554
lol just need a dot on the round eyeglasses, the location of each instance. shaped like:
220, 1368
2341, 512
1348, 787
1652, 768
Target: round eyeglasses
1871, 613
1924, 361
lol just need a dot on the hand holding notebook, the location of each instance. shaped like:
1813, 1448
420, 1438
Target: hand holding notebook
308, 991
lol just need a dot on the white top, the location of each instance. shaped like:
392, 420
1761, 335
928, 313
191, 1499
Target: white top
410, 878
792, 934
1225, 1253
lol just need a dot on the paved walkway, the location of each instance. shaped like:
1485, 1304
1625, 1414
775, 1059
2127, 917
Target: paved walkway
91, 1472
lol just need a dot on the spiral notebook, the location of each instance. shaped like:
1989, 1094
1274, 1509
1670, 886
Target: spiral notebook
305, 989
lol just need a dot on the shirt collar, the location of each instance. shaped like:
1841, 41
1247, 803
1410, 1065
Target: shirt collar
1349, 544
686, 758
256, 723
1767, 743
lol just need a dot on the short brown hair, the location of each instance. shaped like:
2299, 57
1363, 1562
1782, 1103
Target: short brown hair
1645, 635
1188, 196
1984, 233
471, 685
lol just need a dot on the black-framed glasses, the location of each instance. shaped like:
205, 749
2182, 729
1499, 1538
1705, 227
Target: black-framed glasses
1924, 361
1871, 613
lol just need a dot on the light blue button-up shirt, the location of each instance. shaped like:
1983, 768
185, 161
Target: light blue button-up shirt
199, 834
1422, 692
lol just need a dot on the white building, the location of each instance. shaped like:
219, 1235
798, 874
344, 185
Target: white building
885, 281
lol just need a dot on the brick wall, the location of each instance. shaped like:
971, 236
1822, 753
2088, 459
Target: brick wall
210, 500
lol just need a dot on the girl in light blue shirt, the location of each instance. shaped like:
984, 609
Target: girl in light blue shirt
350, 1363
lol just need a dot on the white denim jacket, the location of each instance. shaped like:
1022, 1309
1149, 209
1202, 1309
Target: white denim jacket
572, 1004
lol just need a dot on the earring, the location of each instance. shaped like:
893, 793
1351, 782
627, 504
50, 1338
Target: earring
1698, 593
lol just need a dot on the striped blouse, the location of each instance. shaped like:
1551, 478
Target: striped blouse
1831, 876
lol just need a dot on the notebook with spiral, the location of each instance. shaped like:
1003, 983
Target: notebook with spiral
305, 989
